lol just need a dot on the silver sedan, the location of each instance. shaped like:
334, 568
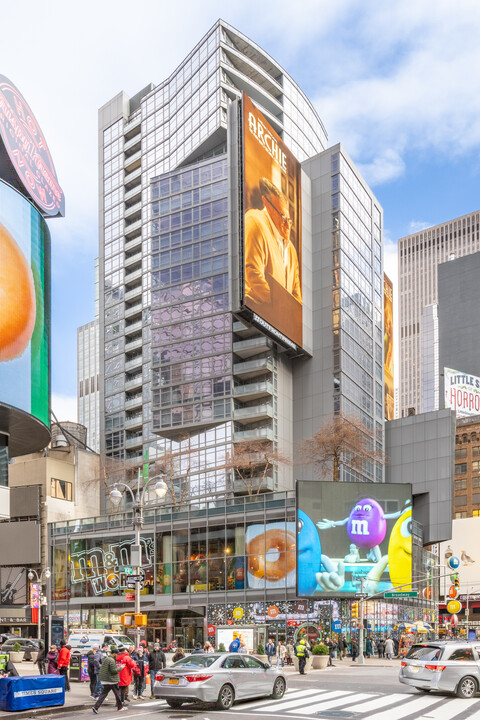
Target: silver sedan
220, 678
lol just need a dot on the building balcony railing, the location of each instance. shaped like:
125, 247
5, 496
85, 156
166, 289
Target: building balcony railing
132, 242
134, 363
133, 229
133, 310
251, 368
135, 209
133, 178
264, 433
135, 441
133, 259
252, 485
133, 161
134, 382
253, 391
252, 346
133, 344
133, 327
133, 193
134, 421
134, 121
133, 293
131, 144
134, 402
131, 277
253, 414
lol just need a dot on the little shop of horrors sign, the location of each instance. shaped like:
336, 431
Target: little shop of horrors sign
462, 392
104, 567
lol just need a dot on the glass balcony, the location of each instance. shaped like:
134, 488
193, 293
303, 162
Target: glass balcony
251, 368
133, 293
134, 402
133, 259
252, 414
131, 277
252, 346
134, 228
264, 433
132, 328
133, 344
134, 382
133, 310
253, 391
134, 363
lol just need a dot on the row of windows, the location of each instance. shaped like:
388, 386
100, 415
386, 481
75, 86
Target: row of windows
462, 484
195, 348
194, 216
190, 290
89, 385
190, 271
188, 235
213, 411
461, 468
187, 200
179, 181
461, 500
178, 256
204, 327
192, 392
193, 369
204, 307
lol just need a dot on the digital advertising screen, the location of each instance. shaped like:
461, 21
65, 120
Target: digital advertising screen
462, 392
24, 306
271, 558
388, 347
272, 248
349, 532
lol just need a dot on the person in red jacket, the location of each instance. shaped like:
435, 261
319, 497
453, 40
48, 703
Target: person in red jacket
126, 666
63, 662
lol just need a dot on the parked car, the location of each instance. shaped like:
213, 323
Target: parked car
28, 646
218, 678
447, 666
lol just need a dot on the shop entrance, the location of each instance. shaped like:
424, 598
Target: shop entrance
157, 634
189, 632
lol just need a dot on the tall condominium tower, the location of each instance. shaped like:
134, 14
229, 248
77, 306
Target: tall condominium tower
418, 257
88, 375
190, 369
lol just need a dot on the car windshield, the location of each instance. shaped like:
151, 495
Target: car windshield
200, 661
425, 652
123, 640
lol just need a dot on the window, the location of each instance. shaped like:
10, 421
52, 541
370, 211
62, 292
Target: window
461, 484
476, 513
465, 654
459, 454
476, 466
252, 662
60, 489
460, 500
476, 498
234, 663
461, 468
475, 451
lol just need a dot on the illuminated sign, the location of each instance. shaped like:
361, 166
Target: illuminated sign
28, 150
272, 248
24, 306
100, 566
349, 533
270, 550
388, 347
462, 392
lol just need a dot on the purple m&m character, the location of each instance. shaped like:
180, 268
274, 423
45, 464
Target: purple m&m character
366, 526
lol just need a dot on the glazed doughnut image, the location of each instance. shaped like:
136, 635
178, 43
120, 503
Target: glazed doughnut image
17, 298
276, 543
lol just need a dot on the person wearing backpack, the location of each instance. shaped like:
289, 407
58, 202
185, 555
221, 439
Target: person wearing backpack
91, 669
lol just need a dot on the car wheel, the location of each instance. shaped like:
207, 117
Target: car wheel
279, 688
467, 687
226, 696
175, 704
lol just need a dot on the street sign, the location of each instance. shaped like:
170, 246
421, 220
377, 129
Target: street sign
134, 578
401, 594
361, 595
127, 570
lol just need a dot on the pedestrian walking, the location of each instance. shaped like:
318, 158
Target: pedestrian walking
143, 667
52, 661
41, 660
208, 647
100, 656
354, 649
178, 655
301, 651
381, 648
270, 650
64, 662
109, 677
126, 666
368, 647
281, 654
341, 647
235, 644
157, 661
389, 647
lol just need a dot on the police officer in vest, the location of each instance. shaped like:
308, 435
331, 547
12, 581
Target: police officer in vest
301, 651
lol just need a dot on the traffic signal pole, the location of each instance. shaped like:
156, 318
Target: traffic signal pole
361, 657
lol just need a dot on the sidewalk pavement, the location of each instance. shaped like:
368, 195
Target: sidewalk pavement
79, 699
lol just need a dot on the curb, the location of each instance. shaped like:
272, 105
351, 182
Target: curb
37, 712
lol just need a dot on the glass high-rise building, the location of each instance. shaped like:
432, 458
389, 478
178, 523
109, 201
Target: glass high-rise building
182, 374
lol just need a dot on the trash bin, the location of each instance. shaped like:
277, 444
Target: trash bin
75, 667
24, 693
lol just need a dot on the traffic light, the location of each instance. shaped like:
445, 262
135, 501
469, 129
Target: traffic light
355, 610
457, 582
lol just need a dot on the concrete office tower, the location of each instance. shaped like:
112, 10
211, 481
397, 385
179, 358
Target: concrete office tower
418, 257
179, 372
88, 372
430, 373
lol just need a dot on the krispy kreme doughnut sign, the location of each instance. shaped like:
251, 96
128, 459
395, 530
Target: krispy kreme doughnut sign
28, 151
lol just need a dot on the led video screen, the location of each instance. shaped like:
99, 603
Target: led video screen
272, 227
353, 532
24, 305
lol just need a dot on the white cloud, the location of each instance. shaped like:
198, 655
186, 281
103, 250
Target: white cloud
64, 407
417, 226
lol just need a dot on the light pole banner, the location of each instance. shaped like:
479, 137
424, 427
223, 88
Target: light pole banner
34, 595
462, 392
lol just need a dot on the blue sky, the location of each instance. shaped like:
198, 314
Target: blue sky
396, 83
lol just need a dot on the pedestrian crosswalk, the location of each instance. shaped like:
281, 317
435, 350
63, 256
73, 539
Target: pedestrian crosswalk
364, 705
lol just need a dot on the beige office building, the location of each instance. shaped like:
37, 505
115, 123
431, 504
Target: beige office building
418, 257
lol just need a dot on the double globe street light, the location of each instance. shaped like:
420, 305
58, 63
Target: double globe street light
138, 504
42, 600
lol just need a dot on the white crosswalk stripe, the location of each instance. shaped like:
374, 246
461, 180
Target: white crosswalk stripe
369, 706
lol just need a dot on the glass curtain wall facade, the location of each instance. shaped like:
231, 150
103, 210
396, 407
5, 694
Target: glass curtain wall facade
163, 130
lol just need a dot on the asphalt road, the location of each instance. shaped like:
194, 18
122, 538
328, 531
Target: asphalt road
349, 692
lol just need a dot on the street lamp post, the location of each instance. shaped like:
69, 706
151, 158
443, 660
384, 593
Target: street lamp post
161, 489
33, 575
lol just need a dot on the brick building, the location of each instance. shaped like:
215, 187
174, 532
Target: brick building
466, 497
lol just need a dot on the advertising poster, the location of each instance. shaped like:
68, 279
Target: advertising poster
462, 392
227, 635
270, 551
388, 346
13, 586
349, 532
24, 305
272, 227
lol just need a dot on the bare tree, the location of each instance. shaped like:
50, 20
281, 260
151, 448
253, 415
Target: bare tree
174, 468
343, 440
251, 461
